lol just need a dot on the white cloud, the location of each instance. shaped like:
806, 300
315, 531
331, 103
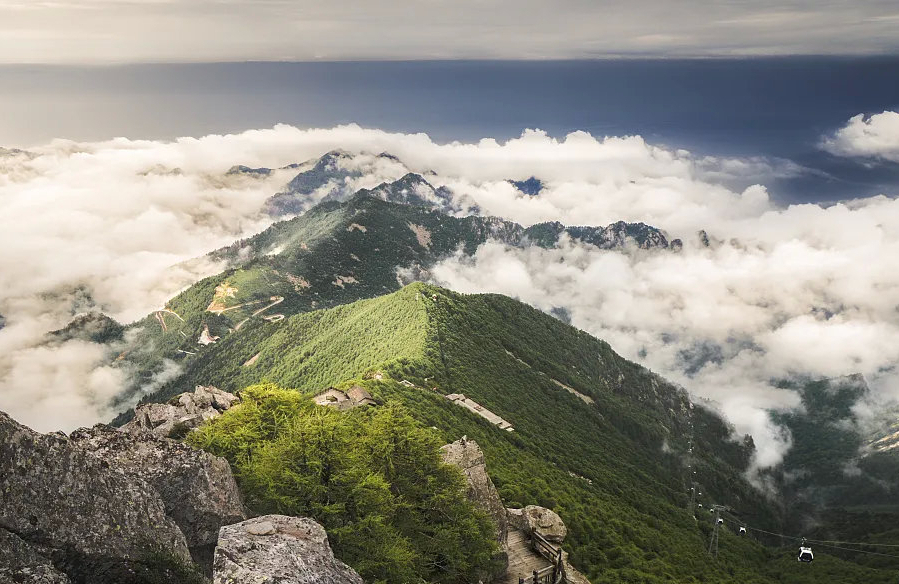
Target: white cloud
805, 290
875, 136
802, 290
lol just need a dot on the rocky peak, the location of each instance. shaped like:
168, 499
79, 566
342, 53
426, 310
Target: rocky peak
411, 189
276, 549
531, 186
468, 456
620, 234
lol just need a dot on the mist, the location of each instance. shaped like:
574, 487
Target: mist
781, 291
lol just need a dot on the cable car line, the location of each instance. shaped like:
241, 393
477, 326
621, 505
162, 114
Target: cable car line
823, 542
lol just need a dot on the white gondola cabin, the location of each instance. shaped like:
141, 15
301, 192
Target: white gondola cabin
805, 554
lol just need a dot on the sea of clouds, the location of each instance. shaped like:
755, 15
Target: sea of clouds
803, 290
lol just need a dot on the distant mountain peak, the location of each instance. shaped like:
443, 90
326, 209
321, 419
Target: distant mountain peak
531, 186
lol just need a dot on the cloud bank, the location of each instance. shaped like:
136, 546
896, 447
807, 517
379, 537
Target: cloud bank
875, 136
802, 290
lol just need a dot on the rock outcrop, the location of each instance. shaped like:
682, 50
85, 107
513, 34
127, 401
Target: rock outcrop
20, 563
182, 413
275, 549
196, 488
544, 521
547, 523
468, 456
94, 522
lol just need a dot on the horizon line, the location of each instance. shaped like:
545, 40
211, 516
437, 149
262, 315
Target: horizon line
598, 58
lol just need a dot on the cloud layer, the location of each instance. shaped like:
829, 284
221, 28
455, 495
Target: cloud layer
217, 30
803, 290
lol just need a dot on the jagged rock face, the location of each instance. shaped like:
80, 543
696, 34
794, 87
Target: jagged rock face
540, 519
619, 235
197, 489
275, 549
92, 520
468, 456
20, 563
182, 413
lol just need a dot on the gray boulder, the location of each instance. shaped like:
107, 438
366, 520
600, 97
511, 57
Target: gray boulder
93, 521
544, 521
275, 549
20, 563
182, 413
196, 488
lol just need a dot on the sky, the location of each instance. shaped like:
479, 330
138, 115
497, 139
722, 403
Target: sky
784, 290
792, 285
104, 31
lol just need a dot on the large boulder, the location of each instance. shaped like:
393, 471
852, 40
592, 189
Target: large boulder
544, 521
275, 549
468, 456
197, 489
21, 563
182, 413
94, 522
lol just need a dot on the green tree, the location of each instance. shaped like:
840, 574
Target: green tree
374, 478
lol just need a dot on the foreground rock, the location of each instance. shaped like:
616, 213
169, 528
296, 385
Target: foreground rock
96, 523
275, 549
20, 563
196, 488
182, 413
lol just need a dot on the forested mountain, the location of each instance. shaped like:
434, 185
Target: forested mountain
335, 253
324, 299
607, 444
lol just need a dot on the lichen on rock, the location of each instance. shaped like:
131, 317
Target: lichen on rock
276, 549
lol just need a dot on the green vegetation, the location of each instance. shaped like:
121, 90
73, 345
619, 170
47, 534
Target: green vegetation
829, 490
615, 470
372, 477
333, 254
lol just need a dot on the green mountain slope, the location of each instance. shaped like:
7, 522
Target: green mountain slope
599, 439
834, 486
333, 254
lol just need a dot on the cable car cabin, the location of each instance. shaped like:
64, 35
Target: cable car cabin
742, 530
805, 554
720, 521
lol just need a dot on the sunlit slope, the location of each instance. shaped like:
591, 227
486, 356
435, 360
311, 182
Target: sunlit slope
335, 253
601, 440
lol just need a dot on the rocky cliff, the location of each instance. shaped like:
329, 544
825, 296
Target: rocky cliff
133, 506
68, 507
468, 456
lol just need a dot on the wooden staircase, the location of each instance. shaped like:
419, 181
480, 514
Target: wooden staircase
523, 559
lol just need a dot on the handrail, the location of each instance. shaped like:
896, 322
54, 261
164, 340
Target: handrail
552, 574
